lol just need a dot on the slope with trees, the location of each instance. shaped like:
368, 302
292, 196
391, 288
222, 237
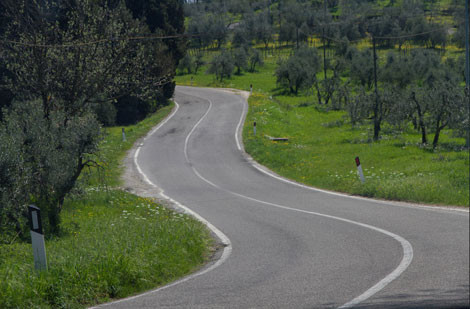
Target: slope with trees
62, 60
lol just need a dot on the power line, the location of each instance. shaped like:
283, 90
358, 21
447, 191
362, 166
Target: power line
411, 35
388, 37
68, 45
393, 16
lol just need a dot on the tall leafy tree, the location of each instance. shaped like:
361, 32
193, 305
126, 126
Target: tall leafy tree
63, 59
299, 71
222, 65
240, 59
164, 17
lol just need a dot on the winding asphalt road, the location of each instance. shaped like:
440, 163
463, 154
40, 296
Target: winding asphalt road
288, 246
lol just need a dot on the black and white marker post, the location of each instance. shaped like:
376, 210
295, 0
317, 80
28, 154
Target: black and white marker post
359, 170
37, 238
251, 89
254, 128
123, 135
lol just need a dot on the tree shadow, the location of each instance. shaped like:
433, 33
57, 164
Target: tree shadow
282, 91
430, 299
457, 298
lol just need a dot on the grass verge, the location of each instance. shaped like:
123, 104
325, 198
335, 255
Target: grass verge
114, 244
322, 147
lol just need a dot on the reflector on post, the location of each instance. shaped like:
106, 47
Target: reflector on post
37, 238
359, 170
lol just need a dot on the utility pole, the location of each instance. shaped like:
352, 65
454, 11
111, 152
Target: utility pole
280, 24
467, 55
467, 69
324, 40
377, 106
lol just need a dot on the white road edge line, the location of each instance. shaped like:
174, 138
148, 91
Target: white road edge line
406, 246
265, 170
222, 237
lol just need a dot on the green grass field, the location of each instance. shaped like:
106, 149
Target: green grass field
113, 244
322, 146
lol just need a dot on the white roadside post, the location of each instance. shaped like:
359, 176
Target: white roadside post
123, 135
254, 128
359, 170
37, 238
251, 89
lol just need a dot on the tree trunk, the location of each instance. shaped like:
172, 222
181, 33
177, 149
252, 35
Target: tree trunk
436, 138
377, 116
424, 139
439, 127
297, 38
376, 128
54, 219
422, 127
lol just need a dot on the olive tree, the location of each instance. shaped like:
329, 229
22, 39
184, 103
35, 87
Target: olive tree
48, 157
240, 59
299, 70
186, 63
255, 58
67, 57
221, 65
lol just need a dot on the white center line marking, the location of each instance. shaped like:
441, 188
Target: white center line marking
406, 246
223, 238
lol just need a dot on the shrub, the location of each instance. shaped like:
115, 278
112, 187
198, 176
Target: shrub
41, 160
131, 109
222, 65
105, 113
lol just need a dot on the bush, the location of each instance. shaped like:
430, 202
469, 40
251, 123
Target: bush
186, 63
105, 113
299, 71
41, 160
131, 109
222, 65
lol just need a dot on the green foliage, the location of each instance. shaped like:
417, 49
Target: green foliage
221, 65
131, 109
198, 62
105, 113
165, 17
85, 72
240, 59
187, 63
63, 60
255, 58
116, 245
420, 93
210, 28
50, 153
113, 244
321, 151
299, 71
361, 67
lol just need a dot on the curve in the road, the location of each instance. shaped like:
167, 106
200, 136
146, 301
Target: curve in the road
193, 160
405, 244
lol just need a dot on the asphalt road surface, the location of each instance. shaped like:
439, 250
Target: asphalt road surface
288, 246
